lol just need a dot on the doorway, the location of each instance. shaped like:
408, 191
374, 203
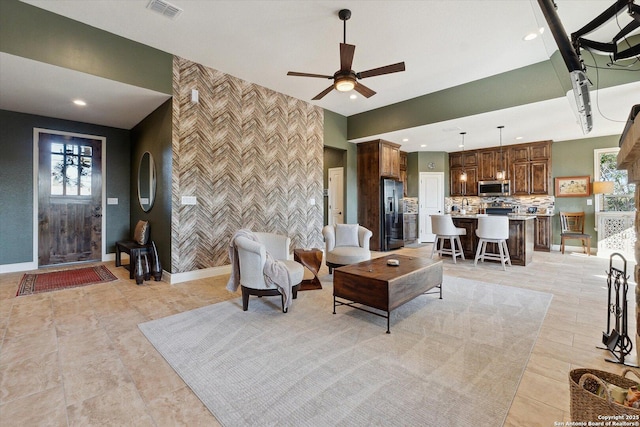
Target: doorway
336, 196
69, 197
430, 201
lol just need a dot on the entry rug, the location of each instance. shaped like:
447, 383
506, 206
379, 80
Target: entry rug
455, 362
56, 280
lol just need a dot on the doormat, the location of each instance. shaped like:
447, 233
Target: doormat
56, 280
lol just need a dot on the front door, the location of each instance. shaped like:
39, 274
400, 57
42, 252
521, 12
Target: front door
336, 196
69, 199
431, 201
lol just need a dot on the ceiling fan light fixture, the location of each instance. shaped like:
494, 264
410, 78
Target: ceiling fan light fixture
344, 84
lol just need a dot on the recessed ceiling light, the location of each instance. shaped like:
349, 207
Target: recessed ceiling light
405, 139
353, 96
79, 102
423, 145
518, 138
461, 145
533, 35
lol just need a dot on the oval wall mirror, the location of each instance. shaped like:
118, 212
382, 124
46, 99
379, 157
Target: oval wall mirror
146, 182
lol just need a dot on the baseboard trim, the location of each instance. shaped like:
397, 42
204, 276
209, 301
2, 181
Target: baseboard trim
174, 278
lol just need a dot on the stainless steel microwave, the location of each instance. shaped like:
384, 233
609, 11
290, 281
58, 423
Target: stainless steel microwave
494, 188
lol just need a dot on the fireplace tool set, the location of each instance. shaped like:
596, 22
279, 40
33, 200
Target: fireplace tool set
617, 340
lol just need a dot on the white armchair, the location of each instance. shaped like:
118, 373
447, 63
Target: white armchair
252, 259
346, 244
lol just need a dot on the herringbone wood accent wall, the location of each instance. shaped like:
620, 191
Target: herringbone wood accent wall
253, 159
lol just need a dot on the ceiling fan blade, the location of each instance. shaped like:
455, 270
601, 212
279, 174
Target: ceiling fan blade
364, 91
346, 56
388, 69
322, 76
323, 93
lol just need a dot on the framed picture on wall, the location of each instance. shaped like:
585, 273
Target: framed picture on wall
573, 186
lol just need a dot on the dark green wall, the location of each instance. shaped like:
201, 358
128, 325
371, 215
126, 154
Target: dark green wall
575, 158
335, 136
153, 134
16, 181
332, 158
35, 33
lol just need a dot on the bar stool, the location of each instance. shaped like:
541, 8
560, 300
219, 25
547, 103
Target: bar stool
493, 229
444, 228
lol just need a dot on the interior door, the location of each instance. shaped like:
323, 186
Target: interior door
336, 196
431, 201
69, 199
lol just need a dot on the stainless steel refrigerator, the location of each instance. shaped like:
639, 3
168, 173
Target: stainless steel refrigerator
392, 225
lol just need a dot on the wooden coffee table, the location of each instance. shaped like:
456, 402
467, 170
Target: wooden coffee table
377, 285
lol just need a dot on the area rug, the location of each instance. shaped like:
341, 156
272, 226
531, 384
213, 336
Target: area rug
55, 280
451, 362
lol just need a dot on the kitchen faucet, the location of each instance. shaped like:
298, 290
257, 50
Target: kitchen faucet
464, 200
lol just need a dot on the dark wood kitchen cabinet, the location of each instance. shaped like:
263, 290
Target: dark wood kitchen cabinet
467, 162
527, 166
542, 232
520, 242
403, 171
531, 168
376, 159
490, 161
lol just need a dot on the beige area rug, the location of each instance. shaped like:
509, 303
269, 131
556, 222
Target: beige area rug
451, 362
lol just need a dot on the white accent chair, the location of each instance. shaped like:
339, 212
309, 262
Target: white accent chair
252, 257
346, 244
444, 229
493, 229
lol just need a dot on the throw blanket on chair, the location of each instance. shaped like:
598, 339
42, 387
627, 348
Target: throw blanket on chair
275, 272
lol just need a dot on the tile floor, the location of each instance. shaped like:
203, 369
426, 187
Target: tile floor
77, 358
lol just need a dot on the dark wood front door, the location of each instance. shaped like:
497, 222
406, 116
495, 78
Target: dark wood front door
69, 199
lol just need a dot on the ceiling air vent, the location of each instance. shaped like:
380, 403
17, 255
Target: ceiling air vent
165, 8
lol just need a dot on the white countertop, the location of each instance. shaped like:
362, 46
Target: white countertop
510, 216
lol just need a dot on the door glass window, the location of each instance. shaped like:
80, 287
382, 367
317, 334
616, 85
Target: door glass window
70, 169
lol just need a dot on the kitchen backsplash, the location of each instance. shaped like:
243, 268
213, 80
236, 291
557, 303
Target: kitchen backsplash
544, 204
410, 205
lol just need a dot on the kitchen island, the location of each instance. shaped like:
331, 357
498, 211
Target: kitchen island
520, 242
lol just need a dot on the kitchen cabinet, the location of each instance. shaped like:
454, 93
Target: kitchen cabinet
375, 160
490, 161
410, 227
403, 171
520, 241
463, 161
530, 178
457, 187
488, 165
389, 160
531, 168
542, 233
527, 166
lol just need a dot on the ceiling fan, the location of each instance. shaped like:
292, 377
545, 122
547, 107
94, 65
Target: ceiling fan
345, 79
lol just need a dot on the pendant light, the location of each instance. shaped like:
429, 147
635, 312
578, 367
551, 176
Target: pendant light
463, 174
500, 174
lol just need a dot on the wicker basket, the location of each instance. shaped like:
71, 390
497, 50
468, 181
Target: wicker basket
586, 405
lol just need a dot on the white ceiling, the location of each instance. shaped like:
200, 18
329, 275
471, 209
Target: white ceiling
444, 43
